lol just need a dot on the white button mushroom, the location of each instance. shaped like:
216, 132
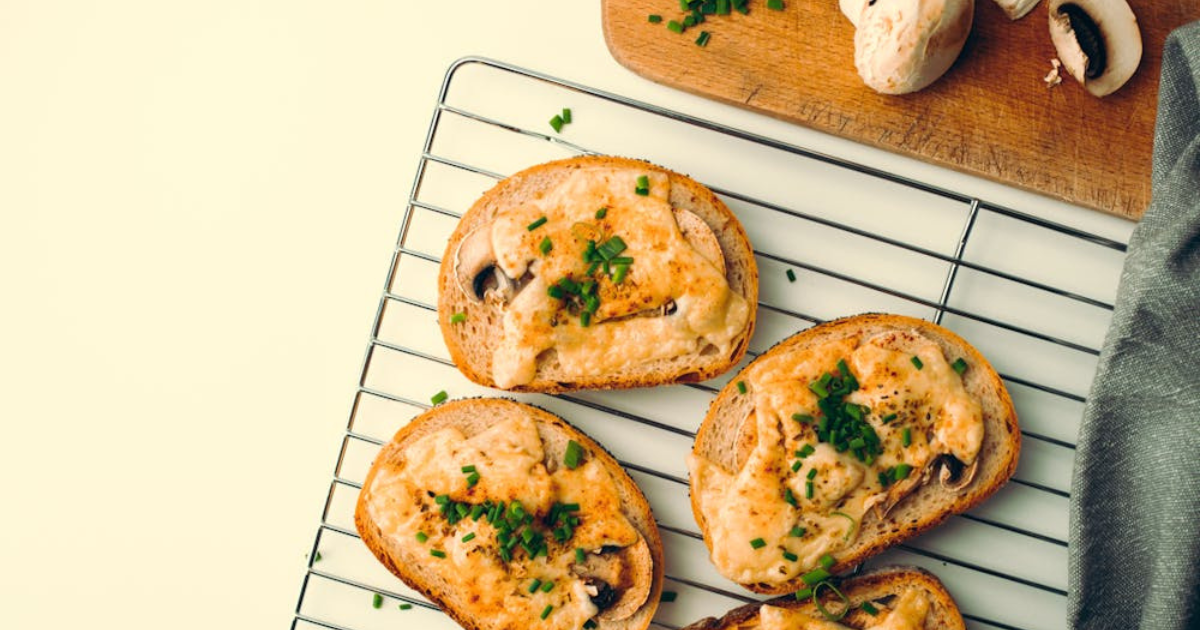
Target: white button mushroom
1098, 42
902, 46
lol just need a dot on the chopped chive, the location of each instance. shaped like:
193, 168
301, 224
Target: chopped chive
643, 185
775, 5
797, 531
808, 490
796, 465
472, 479
622, 260
468, 469
437, 553
535, 585
422, 537
853, 523
916, 361
758, 543
959, 365
377, 601
821, 607
857, 443
557, 123
458, 318
547, 587
803, 594
805, 451
888, 418
790, 557
815, 576
477, 511
611, 248
580, 555
674, 27
802, 418
901, 471
405, 606
826, 561
566, 115
869, 609
723, 7
789, 497
545, 246
654, 19
570, 507
536, 224
439, 398
619, 276
683, 5
469, 537
791, 275
906, 437
702, 41
461, 509
819, 389
812, 473
573, 455
885, 479
741, 385
589, 625
546, 610
585, 319
689, 21
601, 213
669, 596
317, 558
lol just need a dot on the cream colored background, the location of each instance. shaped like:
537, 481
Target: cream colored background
198, 202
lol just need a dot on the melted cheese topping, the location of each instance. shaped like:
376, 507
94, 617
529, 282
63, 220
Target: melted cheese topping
665, 268
908, 613
509, 459
930, 402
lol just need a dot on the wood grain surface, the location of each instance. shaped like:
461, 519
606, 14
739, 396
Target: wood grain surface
991, 115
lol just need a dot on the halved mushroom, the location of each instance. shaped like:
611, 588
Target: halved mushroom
701, 237
1098, 42
953, 475
883, 503
476, 270
619, 580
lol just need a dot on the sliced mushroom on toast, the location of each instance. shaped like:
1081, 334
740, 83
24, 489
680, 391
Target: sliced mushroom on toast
843, 440
556, 277
507, 517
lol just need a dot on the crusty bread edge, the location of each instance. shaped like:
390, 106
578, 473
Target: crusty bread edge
943, 613
742, 251
978, 491
426, 422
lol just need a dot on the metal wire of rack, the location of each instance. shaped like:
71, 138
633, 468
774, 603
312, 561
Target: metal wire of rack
1035, 296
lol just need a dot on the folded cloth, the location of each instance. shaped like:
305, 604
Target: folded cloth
1135, 496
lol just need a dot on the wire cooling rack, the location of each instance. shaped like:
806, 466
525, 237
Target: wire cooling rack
1034, 296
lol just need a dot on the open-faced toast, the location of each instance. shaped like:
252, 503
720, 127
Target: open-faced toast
897, 598
508, 517
843, 440
596, 272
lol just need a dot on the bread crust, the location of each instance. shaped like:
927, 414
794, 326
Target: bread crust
555, 432
943, 612
464, 342
718, 437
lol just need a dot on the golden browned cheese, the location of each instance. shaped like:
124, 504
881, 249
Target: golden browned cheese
509, 459
908, 612
665, 267
748, 504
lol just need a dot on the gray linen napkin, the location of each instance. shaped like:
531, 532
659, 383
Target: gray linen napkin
1135, 496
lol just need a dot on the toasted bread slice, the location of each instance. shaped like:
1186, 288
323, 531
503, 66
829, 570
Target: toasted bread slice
682, 310
513, 468
924, 396
883, 590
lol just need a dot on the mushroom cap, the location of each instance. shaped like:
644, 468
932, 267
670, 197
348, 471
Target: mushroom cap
852, 9
902, 46
1118, 33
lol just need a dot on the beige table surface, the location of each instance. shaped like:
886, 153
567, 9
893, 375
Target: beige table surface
198, 202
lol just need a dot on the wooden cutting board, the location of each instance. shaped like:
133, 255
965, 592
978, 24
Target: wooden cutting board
991, 115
